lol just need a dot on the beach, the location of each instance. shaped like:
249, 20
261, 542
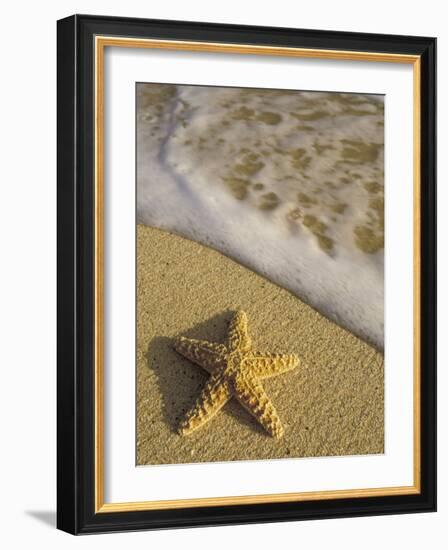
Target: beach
332, 404
288, 183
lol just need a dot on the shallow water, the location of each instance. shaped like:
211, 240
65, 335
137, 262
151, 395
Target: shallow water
288, 183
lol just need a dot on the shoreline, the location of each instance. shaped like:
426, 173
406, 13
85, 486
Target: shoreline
303, 207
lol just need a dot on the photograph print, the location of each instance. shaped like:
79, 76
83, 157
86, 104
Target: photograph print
260, 274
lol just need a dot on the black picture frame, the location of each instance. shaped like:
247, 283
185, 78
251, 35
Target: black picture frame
76, 512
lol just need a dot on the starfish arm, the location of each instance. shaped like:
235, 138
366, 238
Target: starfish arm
238, 336
208, 355
270, 364
251, 395
213, 397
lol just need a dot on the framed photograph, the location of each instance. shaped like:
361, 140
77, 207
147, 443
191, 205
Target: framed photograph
246, 274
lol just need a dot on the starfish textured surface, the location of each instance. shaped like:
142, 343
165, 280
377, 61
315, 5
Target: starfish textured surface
235, 371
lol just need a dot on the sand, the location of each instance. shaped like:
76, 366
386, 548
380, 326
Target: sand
331, 405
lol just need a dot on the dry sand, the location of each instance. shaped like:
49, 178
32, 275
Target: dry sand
331, 405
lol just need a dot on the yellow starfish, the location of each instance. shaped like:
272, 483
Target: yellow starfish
235, 371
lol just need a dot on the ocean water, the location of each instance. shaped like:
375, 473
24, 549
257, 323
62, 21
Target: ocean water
289, 183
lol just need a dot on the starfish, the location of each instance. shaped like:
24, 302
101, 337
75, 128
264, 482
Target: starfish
235, 371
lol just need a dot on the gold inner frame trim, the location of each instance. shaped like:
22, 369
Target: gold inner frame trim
101, 42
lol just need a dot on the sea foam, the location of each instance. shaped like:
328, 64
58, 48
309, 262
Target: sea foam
288, 183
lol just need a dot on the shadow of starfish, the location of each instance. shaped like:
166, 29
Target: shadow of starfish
180, 380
